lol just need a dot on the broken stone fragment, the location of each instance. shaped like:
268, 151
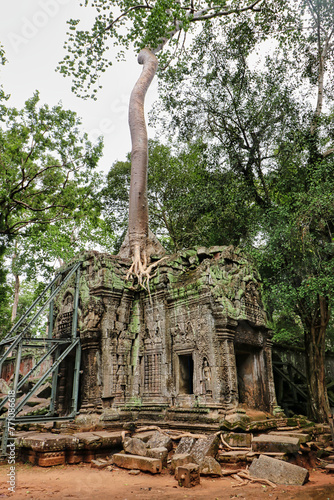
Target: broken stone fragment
100, 464
160, 453
210, 467
178, 460
159, 440
205, 447
185, 445
188, 475
277, 471
145, 464
134, 446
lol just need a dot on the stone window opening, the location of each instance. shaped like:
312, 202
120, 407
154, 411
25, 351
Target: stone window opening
186, 374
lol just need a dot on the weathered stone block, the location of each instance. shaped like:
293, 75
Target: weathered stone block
109, 439
185, 445
303, 438
178, 460
238, 439
48, 459
277, 471
134, 446
273, 444
210, 467
205, 447
74, 457
188, 475
159, 440
146, 464
160, 453
48, 442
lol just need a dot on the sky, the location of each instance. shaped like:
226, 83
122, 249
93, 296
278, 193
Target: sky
33, 33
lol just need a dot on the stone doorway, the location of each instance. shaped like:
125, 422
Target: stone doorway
186, 374
250, 372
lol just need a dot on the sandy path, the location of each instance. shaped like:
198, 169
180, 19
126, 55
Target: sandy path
84, 483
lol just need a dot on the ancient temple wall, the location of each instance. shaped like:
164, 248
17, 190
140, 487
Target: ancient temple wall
198, 339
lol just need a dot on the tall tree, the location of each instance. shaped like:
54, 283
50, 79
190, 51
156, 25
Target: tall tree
150, 27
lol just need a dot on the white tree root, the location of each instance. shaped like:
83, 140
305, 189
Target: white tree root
140, 270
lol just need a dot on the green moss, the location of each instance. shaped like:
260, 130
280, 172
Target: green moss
84, 290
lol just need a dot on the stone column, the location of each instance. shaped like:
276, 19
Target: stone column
91, 375
229, 378
267, 352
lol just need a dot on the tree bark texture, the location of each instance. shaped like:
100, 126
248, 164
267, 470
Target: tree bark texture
315, 335
138, 205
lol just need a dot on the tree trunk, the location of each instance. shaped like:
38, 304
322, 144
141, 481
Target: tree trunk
315, 335
138, 206
16, 297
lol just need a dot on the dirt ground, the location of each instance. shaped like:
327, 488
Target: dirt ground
84, 483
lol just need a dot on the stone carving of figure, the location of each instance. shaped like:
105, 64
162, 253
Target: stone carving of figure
93, 314
120, 376
206, 378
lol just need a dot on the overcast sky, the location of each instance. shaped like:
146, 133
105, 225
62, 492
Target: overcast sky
33, 33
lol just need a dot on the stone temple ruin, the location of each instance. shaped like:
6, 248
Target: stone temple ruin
193, 348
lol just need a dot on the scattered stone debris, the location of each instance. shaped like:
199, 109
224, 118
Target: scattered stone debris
134, 472
101, 464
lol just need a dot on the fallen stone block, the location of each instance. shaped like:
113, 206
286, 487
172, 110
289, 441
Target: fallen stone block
188, 475
330, 467
210, 467
159, 440
145, 464
87, 440
205, 447
185, 445
303, 438
238, 439
48, 442
109, 439
178, 460
270, 443
134, 446
277, 471
159, 453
